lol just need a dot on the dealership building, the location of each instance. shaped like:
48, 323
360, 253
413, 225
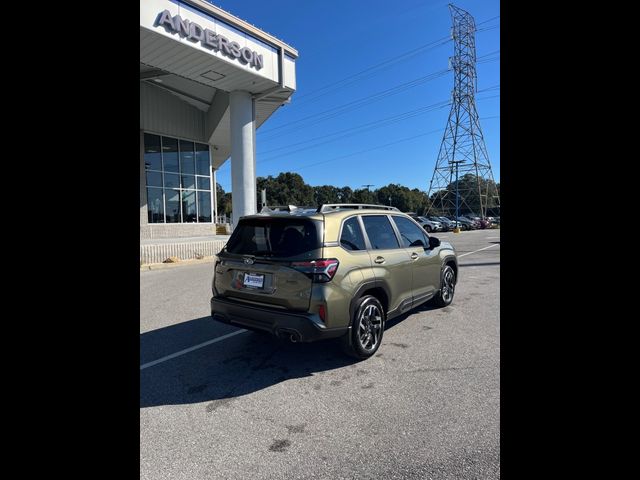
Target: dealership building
208, 80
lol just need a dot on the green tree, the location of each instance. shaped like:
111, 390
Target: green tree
345, 195
325, 194
403, 198
363, 195
224, 200
469, 196
286, 189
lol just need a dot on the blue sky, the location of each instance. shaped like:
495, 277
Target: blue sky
336, 41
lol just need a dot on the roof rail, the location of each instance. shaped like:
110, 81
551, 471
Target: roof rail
329, 207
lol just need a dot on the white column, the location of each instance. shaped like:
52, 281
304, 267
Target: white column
243, 173
214, 195
144, 218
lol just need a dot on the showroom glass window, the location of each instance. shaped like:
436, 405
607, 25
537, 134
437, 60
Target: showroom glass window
178, 180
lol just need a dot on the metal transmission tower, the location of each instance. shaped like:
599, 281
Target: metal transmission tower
462, 177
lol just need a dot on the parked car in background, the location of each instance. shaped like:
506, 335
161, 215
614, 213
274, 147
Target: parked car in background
445, 225
429, 225
482, 223
451, 224
474, 224
465, 223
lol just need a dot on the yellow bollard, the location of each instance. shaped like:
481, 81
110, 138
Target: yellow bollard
456, 230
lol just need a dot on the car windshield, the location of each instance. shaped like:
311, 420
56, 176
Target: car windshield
275, 237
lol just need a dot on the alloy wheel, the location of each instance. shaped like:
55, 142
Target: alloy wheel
369, 327
448, 284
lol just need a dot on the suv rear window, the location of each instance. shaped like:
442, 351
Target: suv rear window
352, 238
275, 237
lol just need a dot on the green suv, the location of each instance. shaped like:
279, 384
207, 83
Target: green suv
339, 271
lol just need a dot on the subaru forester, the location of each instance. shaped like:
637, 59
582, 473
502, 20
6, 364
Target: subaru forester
341, 270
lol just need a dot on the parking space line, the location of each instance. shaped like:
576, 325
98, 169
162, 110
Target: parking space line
469, 253
190, 349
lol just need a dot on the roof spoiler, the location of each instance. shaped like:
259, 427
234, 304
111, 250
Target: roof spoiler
279, 208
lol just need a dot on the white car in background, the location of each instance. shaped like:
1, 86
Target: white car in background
429, 225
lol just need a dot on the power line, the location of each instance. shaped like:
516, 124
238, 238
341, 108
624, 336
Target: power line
488, 20
367, 150
488, 54
339, 83
366, 127
373, 125
350, 106
404, 56
339, 110
406, 139
492, 27
488, 89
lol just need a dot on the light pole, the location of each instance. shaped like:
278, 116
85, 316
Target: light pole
457, 229
389, 200
368, 185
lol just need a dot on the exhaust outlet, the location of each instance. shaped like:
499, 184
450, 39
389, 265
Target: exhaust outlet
292, 335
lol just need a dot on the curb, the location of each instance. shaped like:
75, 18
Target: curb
162, 266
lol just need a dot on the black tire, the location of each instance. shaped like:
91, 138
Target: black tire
447, 287
367, 328
428, 228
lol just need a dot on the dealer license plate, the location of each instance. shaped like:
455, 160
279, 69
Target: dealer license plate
253, 281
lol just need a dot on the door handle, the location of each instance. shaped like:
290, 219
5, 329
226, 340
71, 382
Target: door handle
379, 260
414, 255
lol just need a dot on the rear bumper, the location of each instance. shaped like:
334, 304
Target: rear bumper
306, 327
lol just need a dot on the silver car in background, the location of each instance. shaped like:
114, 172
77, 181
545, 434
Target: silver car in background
429, 225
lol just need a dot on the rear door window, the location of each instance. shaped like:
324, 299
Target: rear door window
380, 232
352, 237
275, 237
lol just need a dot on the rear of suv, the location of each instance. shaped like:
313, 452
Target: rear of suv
340, 271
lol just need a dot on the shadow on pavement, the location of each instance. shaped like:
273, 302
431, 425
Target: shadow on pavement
234, 367
479, 264
237, 366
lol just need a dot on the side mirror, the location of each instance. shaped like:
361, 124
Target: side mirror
433, 242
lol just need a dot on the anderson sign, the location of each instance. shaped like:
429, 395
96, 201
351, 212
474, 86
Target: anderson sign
194, 32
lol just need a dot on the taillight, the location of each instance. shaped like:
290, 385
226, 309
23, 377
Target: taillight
319, 271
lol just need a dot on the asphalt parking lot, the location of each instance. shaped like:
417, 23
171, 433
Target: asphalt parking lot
219, 402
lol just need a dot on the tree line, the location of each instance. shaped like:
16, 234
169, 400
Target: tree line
290, 189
